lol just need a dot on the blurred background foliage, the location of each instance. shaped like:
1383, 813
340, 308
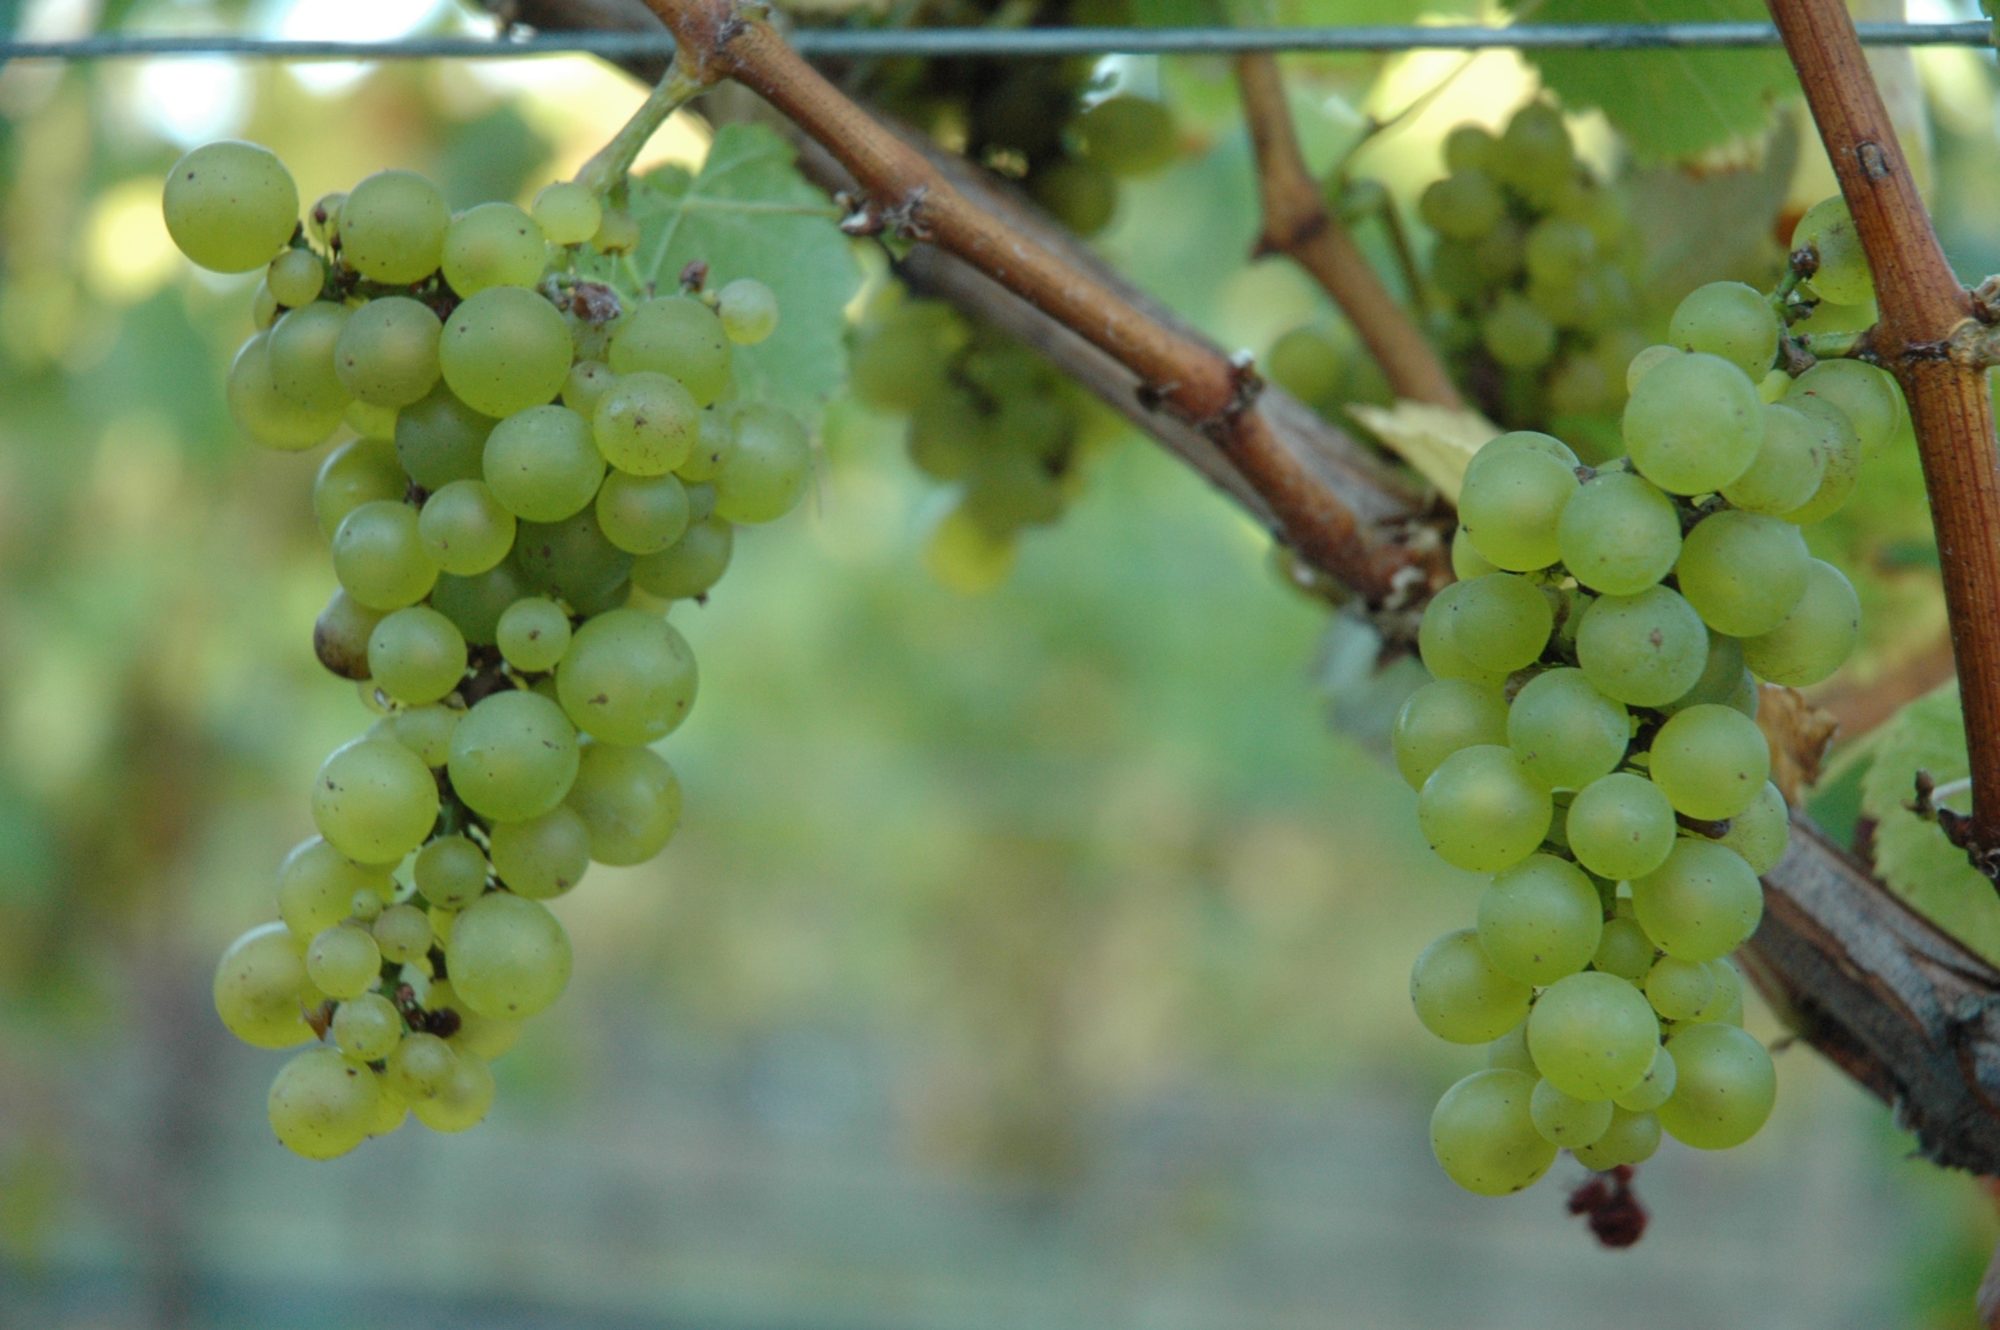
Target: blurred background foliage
1029, 960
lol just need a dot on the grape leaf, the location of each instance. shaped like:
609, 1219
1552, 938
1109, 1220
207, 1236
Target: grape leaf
1668, 104
1911, 854
748, 213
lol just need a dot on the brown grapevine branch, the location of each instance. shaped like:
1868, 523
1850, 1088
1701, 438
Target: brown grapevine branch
1298, 225
1923, 312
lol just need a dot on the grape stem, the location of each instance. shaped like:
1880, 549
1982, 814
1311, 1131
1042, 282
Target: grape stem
1923, 309
609, 166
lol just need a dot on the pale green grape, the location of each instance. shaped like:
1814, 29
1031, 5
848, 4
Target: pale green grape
263, 307
1678, 989
629, 800
403, 932
1304, 361
1593, 1035
1465, 205
1127, 135
266, 417
440, 439
1789, 467
343, 961
505, 350
1082, 195
1842, 275
295, 278
513, 756
509, 957
617, 232
1711, 761
1437, 645
1540, 920
257, 985
1439, 719
450, 871
463, 1100
646, 423
416, 655
380, 558
1484, 1136
1703, 902
1625, 950
322, 1105
388, 352
1510, 1051
1512, 498
769, 468
1815, 637
567, 212
748, 311
1620, 826
476, 603
1481, 810
374, 801
1646, 362
1619, 534
493, 244
1499, 623
367, 1027
420, 1066
1535, 154
340, 635
571, 560
1727, 1004
674, 336
1516, 334
465, 529
1560, 252
392, 227
542, 464
1729, 320
1469, 147
717, 436
1761, 832
1632, 1138
1565, 1120
1742, 572
1724, 680
587, 383
317, 884
628, 678
966, 556
366, 905
484, 1037
1566, 733
1643, 650
230, 206
303, 369
1724, 1087
900, 355
1466, 560
1653, 1091
544, 856
642, 514
1460, 995
533, 634
356, 472
1694, 424
690, 566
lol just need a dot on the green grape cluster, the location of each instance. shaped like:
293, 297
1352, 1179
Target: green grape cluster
1535, 262
987, 417
534, 471
1588, 739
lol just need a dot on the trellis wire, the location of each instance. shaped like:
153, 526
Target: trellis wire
1006, 42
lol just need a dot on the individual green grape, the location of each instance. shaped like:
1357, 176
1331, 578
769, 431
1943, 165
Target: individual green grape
476, 603
543, 856
1565, 1120
1535, 155
416, 655
1632, 1138
1465, 205
1499, 622
514, 756
379, 556
677, 337
1566, 733
1593, 1035
1469, 147
388, 352
302, 357
317, 885
716, 437
1730, 320
1560, 251
1815, 637
646, 423
1839, 447
628, 677
748, 310
450, 871
1742, 572
1724, 1087
366, 905
966, 556
1127, 135
1510, 1051
403, 932
1724, 680
1653, 1091
1581, 386
374, 801
1306, 363
1727, 1004
440, 439
353, 474
263, 307
1788, 469
504, 350
1618, 534
691, 565
1499, 255
340, 635
230, 206
1865, 394
617, 232
1439, 719
629, 800
266, 417
392, 227
493, 244
1437, 645
1842, 275
484, 1037
1513, 495
1693, 424
322, 1105
642, 514
571, 560
295, 278
1466, 560
533, 634
464, 1099
1516, 334
1461, 996
1540, 920
343, 961
1482, 811
257, 984
567, 212
1703, 902
1761, 832
1483, 1134
1646, 361
769, 468
1679, 989
465, 529
1620, 826
509, 956
1642, 650
586, 385
542, 464
1711, 761
421, 1066
367, 1028
1082, 195
1625, 950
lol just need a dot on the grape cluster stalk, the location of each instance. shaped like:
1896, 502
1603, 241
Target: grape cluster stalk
535, 469
1589, 739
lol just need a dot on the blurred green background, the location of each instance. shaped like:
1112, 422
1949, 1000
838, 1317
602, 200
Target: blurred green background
1035, 960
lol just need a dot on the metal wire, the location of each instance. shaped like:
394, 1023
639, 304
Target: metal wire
1014, 42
